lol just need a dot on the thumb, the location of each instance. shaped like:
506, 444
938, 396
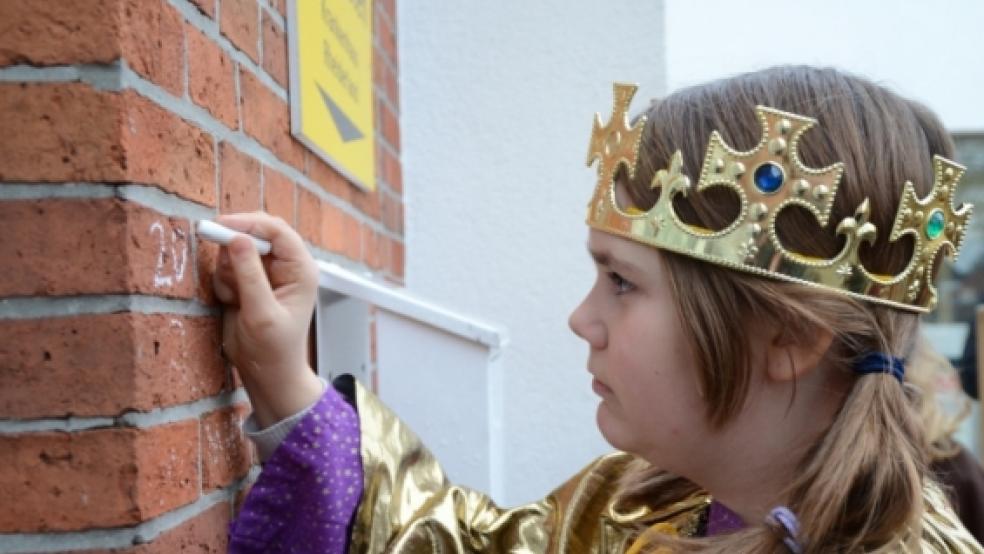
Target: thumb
256, 300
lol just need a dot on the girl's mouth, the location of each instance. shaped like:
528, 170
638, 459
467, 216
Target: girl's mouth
600, 388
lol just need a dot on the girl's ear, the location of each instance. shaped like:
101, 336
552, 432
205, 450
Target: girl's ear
794, 357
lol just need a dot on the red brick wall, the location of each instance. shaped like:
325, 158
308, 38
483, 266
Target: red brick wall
122, 122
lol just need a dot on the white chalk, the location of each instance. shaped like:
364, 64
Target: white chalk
212, 231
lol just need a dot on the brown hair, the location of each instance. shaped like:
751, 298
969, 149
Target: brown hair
848, 494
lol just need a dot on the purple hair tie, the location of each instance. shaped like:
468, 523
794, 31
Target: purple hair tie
878, 362
782, 518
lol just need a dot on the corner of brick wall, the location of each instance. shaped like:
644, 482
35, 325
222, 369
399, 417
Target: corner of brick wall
124, 121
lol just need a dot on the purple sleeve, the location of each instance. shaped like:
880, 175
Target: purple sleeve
309, 489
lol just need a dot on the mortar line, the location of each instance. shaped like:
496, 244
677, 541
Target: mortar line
129, 419
19, 543
39, 307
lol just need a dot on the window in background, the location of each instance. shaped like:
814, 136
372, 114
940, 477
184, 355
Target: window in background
961, 284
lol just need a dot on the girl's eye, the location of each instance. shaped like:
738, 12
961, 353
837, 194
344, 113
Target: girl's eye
621, 285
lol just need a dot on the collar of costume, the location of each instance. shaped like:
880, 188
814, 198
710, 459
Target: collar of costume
767, 179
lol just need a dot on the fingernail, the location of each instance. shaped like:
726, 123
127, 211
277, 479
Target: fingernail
239, 247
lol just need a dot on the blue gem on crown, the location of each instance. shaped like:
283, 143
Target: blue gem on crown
768, 177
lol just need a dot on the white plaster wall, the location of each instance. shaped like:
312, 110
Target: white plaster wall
496, 103
930, 51
412, 358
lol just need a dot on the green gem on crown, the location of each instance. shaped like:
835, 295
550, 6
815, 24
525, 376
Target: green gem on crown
935, 224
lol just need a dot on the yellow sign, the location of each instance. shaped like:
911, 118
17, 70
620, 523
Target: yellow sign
331, 96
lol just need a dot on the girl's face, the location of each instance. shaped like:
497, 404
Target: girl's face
640, 358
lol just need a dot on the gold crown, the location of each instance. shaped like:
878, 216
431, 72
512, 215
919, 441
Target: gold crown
766, 179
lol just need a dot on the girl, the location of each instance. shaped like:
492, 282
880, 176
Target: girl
764, 245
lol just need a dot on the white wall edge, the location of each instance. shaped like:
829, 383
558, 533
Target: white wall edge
336, 278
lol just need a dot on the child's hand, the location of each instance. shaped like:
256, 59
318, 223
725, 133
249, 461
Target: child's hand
268, 309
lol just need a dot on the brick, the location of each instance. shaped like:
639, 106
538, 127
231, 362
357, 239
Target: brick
207, 254
389, 125
340, 232
382, 251
386, 209
372, 248
378, 67
65, 132
391, 169
353, 237
167, 151
226, 455
274, 50
393, 88
70, 132
211, 77
176, 359
384, 77
207, 7
240, 181
100, 478
267, 119
106, 364
56, 33
367, 202
389, 8
64, 247
327, 177
308, 216
94, 246
168, 459
391, 213
397, 259
205, 533
280, 6
239, 22
386, 35
158, 253
333, 228
152, 41
278, 195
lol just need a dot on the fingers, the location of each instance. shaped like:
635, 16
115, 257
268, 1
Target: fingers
290, 262
285, 242
223, 291
224, 279
225, 294
256, 300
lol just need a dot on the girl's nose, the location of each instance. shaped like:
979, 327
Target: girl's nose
585, 325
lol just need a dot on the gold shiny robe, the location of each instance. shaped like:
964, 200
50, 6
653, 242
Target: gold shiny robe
408, 505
